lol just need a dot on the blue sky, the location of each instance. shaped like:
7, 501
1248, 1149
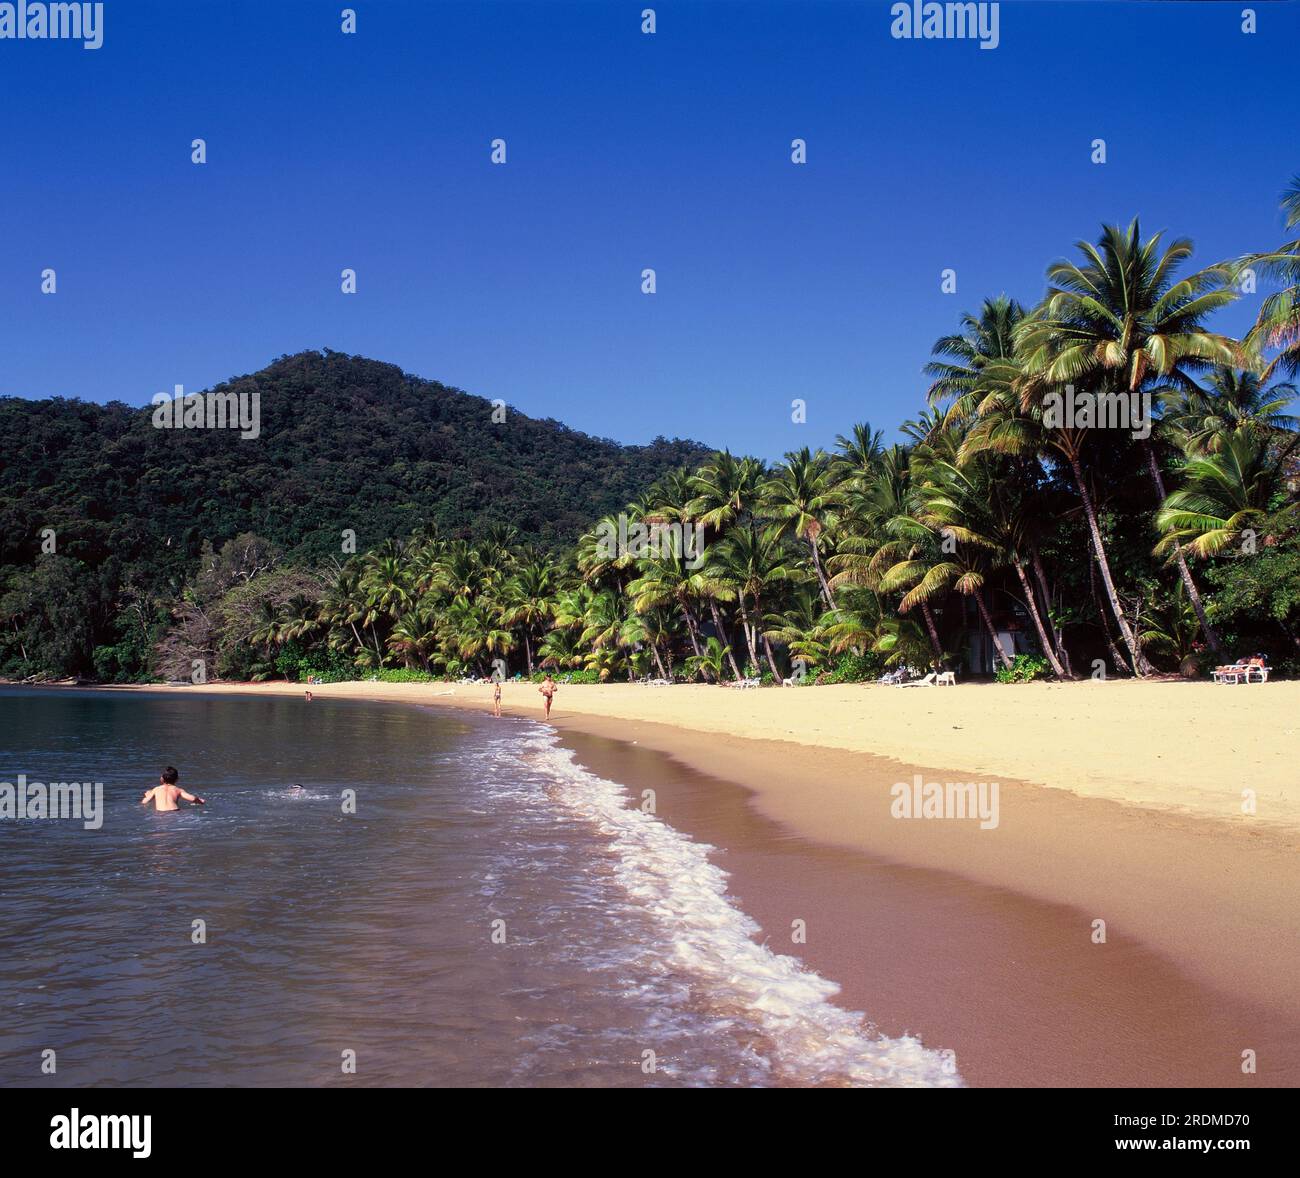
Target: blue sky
625, 151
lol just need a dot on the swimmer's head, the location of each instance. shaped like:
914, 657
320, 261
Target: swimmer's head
170, 776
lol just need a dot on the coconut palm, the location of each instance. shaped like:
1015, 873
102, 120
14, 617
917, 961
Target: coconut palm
801, 497
528, 601
1278, 324
1124, 322
1199, 416
1223, 495
963, 360
725, 489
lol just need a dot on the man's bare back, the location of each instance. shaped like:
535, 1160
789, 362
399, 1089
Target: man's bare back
165, 794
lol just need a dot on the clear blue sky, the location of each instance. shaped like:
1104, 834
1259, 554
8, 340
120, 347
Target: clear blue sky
625, 151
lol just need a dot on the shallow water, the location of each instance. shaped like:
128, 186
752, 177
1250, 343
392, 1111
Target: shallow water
492, 914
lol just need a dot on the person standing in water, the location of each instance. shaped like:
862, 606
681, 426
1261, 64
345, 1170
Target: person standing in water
165, 793
548, 689
496, 697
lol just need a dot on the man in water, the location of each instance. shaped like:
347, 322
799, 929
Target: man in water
165, 793
548, 689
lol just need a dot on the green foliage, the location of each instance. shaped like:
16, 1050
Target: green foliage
852, 668
1025, 668
400, 675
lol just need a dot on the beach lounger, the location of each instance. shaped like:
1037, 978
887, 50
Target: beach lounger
928, 681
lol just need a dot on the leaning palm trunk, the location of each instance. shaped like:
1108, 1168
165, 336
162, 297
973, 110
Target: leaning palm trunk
691, 625
1189, 582
1048, 647
749, 634
1058, 635
821, 576
528, 652
659, 662
725, 639
933, 632
1140, 665
988, 625
771, 661
1117, 659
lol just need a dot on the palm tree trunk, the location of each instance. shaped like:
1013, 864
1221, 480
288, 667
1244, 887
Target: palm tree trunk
1183, 571
771, 661
528, 652
1140, 665
1116, 658
659, 662
821, 576
690, 628
934, 633
724, 638
1048, 647
988, 625
749, 634
1058, 635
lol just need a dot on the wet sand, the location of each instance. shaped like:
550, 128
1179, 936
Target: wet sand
1013, 984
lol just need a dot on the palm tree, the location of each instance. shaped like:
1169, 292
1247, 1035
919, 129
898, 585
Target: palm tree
528, 601
725, 490
1200, 416
666, 579
1278, 325
1122, 322
709, 661
1222, 495
963, 359
969, 505
861, 451
756, 564
801, 497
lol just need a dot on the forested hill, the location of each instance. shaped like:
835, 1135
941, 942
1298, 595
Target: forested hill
345, 442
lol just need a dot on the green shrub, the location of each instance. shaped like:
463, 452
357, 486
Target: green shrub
1025, 668
402, 675
852, 668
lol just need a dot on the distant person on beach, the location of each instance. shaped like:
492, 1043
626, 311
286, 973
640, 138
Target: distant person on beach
309, 697
548, 689
165, 793
496, 697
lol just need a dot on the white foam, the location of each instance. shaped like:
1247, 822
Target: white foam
813, 1041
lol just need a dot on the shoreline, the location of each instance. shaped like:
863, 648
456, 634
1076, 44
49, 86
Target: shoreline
1201, 951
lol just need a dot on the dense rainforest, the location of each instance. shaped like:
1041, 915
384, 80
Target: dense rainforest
344, 443
1100, 482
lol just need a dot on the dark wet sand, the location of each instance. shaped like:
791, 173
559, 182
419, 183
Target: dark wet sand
1012, 983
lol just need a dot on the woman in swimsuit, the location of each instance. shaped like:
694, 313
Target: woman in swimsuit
548, 689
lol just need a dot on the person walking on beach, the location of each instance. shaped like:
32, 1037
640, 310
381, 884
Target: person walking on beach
548, 689
165, 793
496, 697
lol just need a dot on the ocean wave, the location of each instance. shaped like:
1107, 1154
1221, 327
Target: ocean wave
806, 1038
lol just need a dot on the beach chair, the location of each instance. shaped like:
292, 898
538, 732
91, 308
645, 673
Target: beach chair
1256, 668
946, 679
1230, 673
928, 681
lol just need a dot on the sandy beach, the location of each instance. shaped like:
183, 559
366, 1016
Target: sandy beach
1118, 803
